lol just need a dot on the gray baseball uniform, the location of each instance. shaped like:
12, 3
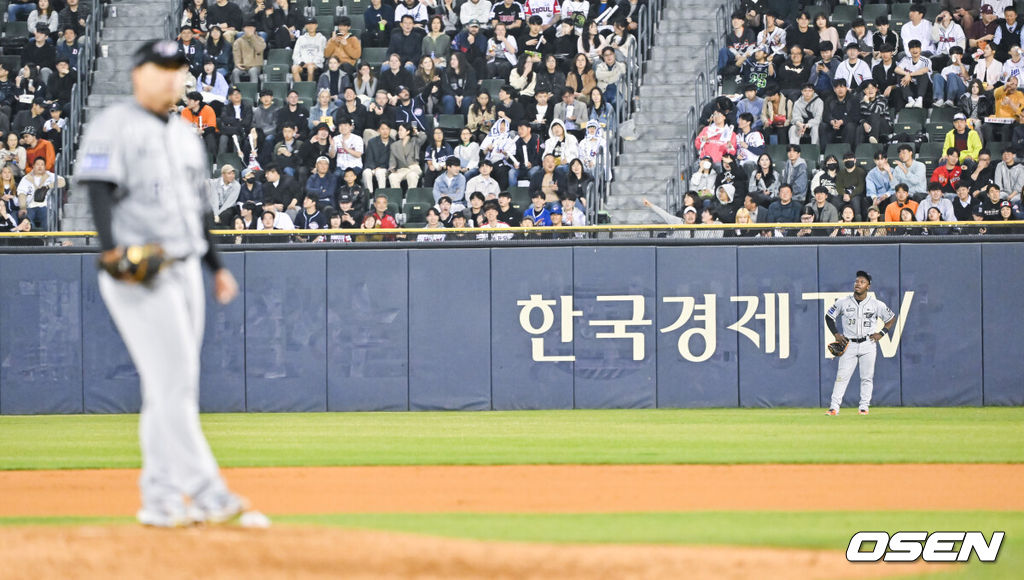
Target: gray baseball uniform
157, 168
859, 323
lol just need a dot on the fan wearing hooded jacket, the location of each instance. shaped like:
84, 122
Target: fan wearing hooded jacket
499, 147
562, 145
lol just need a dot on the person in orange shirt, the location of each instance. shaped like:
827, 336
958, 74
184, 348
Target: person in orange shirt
344, 45
202, 117
36, 147
892, 211
1009, 104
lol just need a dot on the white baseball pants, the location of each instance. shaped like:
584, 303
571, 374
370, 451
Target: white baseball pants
162, 326
858, 354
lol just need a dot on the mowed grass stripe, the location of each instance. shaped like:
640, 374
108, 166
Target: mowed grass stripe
709, 436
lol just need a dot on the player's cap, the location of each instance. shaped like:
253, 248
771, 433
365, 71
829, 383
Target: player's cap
555, 208
346, 198
1004, 203
163, 53
865, 275
29, 130
322, 158
987, 9
226, 168
959, 117
311, 20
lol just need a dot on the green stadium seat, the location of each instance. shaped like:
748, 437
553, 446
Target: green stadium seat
374, 56
811, 154
843, 13
866, 154
231, 159
307, 92
280, 90
872, 12
910, 121
520, 197
356, 8
394, 195
937, 131
279, 56
778, 152
325, 25
422, 195
729, 86
942, 114
277, 73
250, 91
452, 126
931, 150
325, 8
16, 29
491, 86
837, 149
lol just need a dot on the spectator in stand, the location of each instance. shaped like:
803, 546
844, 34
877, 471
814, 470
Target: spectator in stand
235, 121
287, 152
32, 116
775, 115
902, 202
988, 204
879, 182
806, 117
435, 157
247, 52
222, 194
380, 218
481, 115
738, 47
886, 79
751, 103
308, 54
983, 175
34, 189
220, 50
875, 123
61, 84
483, 183
548, 182
203, 120
507, 107
280, 192
853, 70
826, 32
935, 200
1007, 33
803, 36
1014, 67
724, 205
501, 53
949, 84
54, 127
377, 158
784, 210
764, 181
68, 47
851, 185
472, 43
919, 29
293, 113
324, 110
458, 85
264, 119
578, 183
793, 74
403, 164
334, 80
343, 45
378, 23
13, 155
1009, 175
580, 78
975, 104
983, 30
964, 204
43, 14
846, 217
794, 172
716, 138
704, 179
211, 83
821, 209
608, 73
910, 172
756, 70
348, 148
18, 8
407, 43
824, 71
884, 35
526, 163
523, 79
749, 143
1009, 106
224, 15
250, 191
451, 183
841, 117
322, 183
948, 174
772, 37
40, 52
988, 70
562, 144
74, 14
193, 50
914, 70
946, 34
859, 35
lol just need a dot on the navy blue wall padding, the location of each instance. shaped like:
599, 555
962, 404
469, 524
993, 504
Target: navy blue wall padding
694, 272
41, 338
110, 381
367, 331
1002, 268
768, 379
942, 345
607, 376
517, 381
837, 268
450, 329
222, 382
286, 331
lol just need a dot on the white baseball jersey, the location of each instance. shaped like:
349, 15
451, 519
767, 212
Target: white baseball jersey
548, 10
859, 317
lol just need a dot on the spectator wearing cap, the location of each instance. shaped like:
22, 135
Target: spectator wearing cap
984, 29
351, 187
222, 193
1009, 175
235, 120
917, 28
377, 157
224, 15
951, 81
878, 184
886, 78
40, 51
61, 84
851, 184
203, 120
343, 45
310, 218
350, 210
910, 172
948, 174
936, 200
853, 70
322, 183
452, 184
54, 127
250, 190
247, 52
738, 47
472, 43
294, 114
308, 54
841, 116
410, 109
964, 140
875, 123
756, 70
915, 70
264, 120
1007, 32
193, 50
407, 43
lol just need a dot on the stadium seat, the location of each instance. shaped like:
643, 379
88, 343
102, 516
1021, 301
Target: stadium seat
356, 8
892, 151
280, 90
899, 14
931, 150
932, 9
325, 24
16, 29
937, 131
232, 159
307, 92
843, 13
276, 73
451, 125
778, 152
374, 56
520, 197
394, 195
909, 121
250, 91
872, 12
811, 154
279, 56
417, 202
421, 195
837, 149
996, 149
866, 154
942, 115
325, 8
358, 25
492, 86
729, 86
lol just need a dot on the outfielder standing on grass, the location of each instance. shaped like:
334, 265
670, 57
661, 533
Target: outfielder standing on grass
144, 172
859, 312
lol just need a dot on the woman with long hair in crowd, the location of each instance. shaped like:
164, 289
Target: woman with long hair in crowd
846, 216
365, 83
524, 80
426, 82
581, 78
481, 115
220, 50
764, 181
435, 156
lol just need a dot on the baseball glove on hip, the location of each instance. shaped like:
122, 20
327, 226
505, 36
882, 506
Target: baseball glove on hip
837, 348
138, 264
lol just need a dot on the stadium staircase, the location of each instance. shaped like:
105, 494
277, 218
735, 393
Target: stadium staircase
136, 21
666, 94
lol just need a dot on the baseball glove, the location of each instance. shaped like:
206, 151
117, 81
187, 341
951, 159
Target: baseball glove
837, 348
138, 264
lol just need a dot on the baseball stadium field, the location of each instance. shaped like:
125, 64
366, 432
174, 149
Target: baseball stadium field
746, 493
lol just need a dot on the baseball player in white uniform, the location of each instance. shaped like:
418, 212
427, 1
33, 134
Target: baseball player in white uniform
144, 173
860, 314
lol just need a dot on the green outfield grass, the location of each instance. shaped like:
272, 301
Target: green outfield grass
888, 435
816, 530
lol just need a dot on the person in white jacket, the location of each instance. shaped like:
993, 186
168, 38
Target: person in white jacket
703, 181
479, 10
308, 53
946, 34
563, 145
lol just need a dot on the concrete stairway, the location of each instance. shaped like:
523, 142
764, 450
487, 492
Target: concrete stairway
137, 21
667, 92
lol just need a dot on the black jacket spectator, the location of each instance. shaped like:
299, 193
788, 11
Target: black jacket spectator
229, 14
409, 47
529, 151
44, 56
805, 40
230, 123
537, 180
846, 110
455, 85
376, 154
195, 52
76, 18
299, 117
390, 81
285, 191
791, 77
359, 118
373, 120
885, 77
59, 87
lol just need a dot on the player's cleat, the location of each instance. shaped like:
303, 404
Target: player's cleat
222, 509
162, 517
832, 412
862, 412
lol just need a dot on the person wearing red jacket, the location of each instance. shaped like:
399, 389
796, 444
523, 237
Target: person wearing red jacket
948, 175
716, 139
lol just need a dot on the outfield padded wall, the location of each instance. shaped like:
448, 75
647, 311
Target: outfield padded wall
620, 326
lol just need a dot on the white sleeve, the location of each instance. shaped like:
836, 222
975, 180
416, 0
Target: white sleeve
101, 153
884, 312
